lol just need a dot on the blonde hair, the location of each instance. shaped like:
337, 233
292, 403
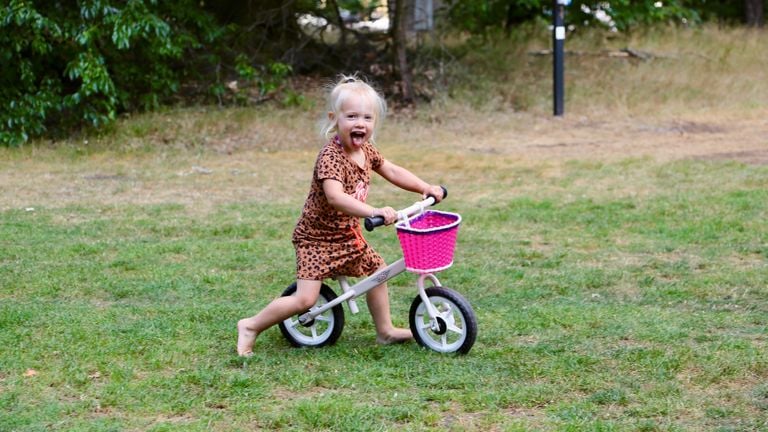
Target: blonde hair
348, 86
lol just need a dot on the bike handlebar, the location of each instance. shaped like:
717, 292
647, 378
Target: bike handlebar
377, 221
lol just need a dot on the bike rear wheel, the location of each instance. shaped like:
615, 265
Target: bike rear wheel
455, 327
324, 330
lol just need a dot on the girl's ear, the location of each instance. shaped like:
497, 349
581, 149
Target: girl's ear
331, 117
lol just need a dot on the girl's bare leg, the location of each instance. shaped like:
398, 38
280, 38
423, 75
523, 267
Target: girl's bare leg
378, 305
307, 292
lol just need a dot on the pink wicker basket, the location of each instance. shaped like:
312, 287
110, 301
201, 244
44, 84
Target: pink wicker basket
428, 241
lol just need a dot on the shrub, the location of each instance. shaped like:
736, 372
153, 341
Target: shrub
72, 62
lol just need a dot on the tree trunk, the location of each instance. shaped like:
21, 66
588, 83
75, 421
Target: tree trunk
340, 23
401, 57
755, 14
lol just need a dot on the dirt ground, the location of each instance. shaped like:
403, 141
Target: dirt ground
239, 166
709, 137
742, 140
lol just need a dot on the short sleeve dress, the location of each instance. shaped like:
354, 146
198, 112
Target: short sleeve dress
328, 242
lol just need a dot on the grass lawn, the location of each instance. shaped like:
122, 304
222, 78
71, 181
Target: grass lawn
627, 294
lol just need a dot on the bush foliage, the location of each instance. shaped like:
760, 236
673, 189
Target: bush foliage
479, 16
72, 62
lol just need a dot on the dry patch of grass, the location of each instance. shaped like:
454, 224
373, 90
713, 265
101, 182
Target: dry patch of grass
276, 164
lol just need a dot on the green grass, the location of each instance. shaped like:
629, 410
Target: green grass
598, 310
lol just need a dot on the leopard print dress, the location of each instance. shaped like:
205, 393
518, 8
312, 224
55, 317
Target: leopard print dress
328, 242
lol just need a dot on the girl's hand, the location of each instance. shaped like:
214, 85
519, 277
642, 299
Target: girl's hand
435, 191
388, 213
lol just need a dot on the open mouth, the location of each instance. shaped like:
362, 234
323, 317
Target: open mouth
358, 138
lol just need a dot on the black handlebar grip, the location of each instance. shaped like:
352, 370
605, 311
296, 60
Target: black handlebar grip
445, 194
373, 222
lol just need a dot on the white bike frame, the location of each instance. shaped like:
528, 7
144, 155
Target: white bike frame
350, 293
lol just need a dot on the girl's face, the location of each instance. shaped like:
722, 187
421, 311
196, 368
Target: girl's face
355, 122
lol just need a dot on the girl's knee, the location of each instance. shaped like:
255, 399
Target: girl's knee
304, 302
306, 294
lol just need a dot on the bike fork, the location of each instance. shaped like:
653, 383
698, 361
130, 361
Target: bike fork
431, 310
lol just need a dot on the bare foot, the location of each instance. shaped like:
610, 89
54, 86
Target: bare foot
245, 339
397, 335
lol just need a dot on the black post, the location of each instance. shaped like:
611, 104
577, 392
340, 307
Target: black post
558, 39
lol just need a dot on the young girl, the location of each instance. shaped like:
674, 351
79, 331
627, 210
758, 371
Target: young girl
328, 238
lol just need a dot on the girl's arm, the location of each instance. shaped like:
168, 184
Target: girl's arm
407, 180
338, 199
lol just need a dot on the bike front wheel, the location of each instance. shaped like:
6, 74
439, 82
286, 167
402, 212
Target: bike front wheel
455, 327
324, 330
